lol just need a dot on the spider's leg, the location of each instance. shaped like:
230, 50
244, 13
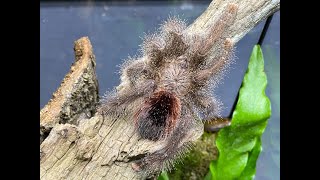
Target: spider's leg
172, 33
201, 46
208, 105
176, 146
173, 25
201, 77
152, 48
211, 108
126, 96
135, 70
218, 30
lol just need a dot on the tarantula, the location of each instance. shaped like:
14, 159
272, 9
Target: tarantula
170, 84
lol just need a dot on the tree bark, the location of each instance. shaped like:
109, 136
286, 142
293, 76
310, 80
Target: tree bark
77, 144
77, 95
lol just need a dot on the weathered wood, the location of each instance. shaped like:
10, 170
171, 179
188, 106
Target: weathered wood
78, 93
103, 147
250, 13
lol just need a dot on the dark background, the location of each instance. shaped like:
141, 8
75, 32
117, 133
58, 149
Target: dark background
115, 30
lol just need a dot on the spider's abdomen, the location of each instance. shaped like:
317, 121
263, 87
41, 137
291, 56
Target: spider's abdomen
158, 115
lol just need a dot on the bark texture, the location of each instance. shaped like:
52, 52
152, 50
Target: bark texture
77, 95
77, 144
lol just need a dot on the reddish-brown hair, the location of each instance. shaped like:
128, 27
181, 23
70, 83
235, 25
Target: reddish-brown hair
163, 109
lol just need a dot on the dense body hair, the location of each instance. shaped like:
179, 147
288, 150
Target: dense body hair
171, 83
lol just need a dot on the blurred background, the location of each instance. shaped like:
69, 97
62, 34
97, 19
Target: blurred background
115, 30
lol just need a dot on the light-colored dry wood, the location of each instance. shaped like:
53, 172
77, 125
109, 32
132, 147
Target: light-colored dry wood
78, 93
102, 147
250, 13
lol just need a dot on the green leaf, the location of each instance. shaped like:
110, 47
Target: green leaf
163, 176
239, 145
250, 170
208, 176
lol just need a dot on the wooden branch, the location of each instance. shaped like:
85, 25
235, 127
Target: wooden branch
79, 147
250, 13
78, 93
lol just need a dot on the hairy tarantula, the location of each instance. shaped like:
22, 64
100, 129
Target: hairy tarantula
172, 83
